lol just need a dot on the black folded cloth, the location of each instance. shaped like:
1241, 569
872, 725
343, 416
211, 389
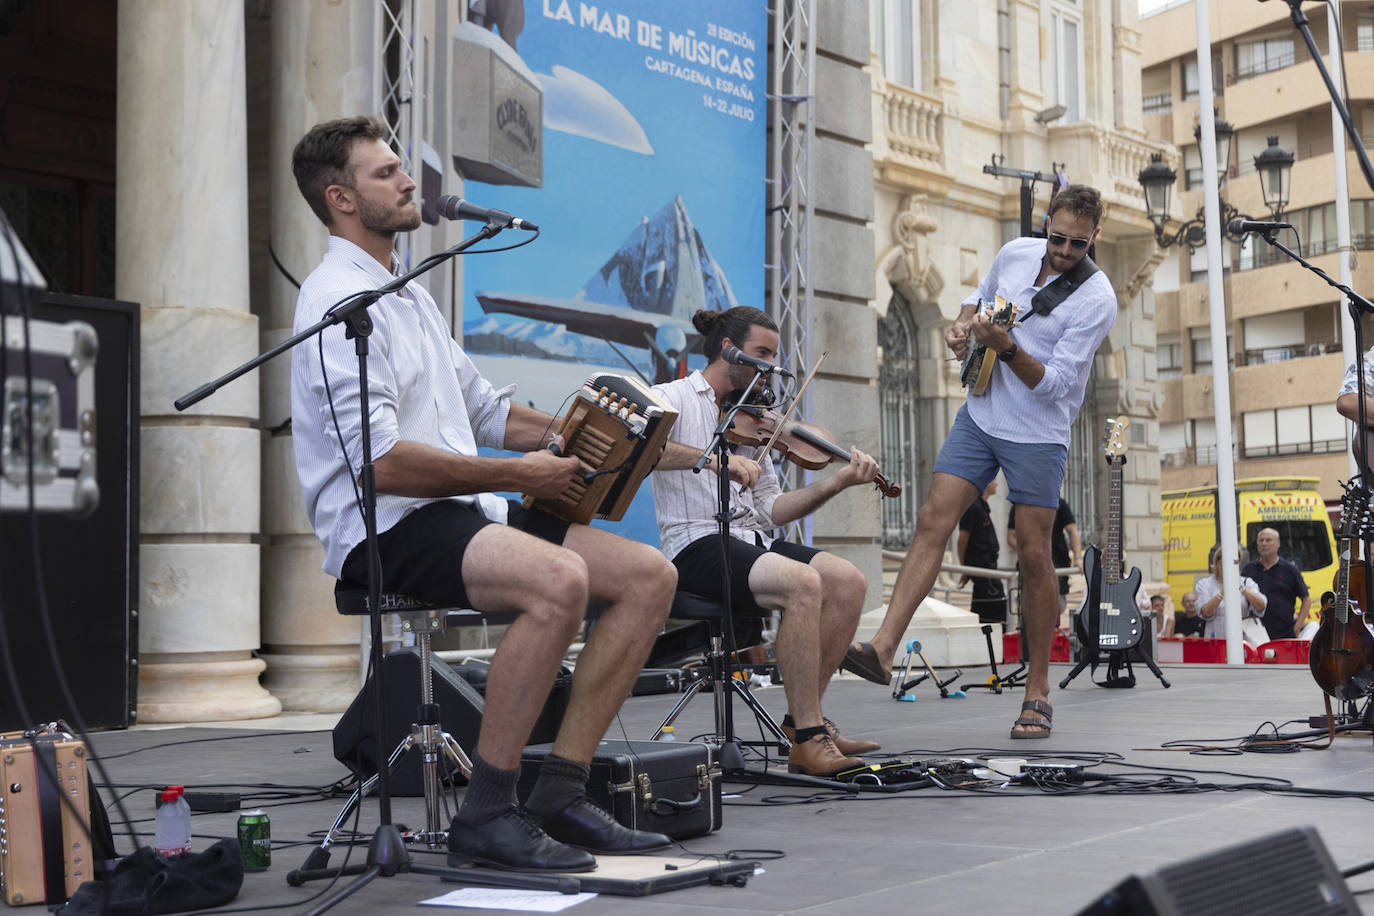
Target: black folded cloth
145, 882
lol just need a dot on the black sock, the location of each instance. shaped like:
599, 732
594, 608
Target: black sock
490, 791
806, 734
561, 781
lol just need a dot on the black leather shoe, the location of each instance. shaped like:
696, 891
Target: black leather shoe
586, 824
512, 840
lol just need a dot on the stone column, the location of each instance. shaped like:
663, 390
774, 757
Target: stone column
181, 219
322, 65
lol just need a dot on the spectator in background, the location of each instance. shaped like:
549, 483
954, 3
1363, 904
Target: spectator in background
1281, 583
1209, 604
1308, 628
1163, 614
978, 546
1066, 548
1191, 623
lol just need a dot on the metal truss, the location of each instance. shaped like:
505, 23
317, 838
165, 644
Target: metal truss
399, 90
790, 207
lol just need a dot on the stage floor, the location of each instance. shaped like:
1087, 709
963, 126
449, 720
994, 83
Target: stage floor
923, 851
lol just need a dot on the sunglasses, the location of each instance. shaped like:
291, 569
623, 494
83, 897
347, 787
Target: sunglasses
1056, 240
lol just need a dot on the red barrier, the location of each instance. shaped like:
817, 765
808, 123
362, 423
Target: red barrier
1283, 652
1199, 651
1060, 650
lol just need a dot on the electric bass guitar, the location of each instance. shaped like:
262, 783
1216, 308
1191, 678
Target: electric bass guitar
1342, 652
1109, 619
976, 371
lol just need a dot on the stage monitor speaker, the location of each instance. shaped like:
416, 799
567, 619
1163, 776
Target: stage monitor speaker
1280, 874
90, 565
460, 714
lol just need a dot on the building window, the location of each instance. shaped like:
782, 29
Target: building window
1308, 429
1262, 56
1321, 229
1191, 84
1159, 103
1364, 32
1169, 360
1068, 63
1202, 353
897, 38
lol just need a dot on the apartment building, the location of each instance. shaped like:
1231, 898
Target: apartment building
1284, 323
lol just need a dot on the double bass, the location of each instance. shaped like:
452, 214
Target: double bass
1342, 652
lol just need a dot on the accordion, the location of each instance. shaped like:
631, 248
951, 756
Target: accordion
618, 426
45, 847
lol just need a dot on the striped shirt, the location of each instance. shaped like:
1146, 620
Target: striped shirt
422, 388
1064, 341
686, 502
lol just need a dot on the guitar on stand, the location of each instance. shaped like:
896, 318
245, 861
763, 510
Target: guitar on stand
1108, 626
1342, 652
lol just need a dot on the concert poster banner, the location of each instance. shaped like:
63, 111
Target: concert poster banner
650, 195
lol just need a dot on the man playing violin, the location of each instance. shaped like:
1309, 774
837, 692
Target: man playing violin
1020, 425
819, 594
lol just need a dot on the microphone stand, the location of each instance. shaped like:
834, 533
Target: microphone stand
1359, 306
386, 853
731, 759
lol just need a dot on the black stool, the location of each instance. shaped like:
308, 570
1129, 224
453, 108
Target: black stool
715, 674
423, 620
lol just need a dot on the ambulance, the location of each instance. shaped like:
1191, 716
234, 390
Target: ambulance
1289, 505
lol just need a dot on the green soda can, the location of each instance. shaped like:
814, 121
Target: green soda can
255, 840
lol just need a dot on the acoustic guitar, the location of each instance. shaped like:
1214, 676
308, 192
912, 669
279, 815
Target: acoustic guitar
976, 371
1109, 619
1342, 652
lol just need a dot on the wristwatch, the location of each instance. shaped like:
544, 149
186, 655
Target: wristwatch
1009, 353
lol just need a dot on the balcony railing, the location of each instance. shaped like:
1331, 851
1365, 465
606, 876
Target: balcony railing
915, 126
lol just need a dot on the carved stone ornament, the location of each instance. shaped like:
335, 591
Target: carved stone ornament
907, 265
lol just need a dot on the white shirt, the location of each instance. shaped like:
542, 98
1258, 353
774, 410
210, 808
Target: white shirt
1064, 341
685, 502
422, 388
1207, 587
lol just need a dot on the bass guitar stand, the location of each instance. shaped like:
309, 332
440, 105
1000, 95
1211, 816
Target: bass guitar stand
901, 686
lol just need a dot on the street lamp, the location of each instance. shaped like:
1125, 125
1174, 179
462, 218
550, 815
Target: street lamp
1275, 166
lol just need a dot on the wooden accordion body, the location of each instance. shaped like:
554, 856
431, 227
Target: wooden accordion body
619, 427
45, 848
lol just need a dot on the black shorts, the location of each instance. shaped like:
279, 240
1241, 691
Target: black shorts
699, 569
422, 554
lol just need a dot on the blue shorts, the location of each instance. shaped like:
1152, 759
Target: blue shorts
1034, 470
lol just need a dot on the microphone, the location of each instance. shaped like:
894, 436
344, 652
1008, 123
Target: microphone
450, 206
740, 358
1242, 226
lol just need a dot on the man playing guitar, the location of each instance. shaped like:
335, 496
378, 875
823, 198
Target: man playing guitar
1020, 426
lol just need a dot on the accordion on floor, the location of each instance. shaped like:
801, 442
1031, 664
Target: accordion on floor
618, 426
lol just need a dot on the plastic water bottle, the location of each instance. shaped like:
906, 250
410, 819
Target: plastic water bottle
668, 734
172, 823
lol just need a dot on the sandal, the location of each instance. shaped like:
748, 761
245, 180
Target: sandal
1040, 725
862, 659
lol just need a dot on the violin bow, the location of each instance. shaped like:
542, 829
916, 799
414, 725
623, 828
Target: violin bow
787, 414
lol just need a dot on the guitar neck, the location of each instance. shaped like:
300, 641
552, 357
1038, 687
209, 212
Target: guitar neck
1341, 608
1111, 574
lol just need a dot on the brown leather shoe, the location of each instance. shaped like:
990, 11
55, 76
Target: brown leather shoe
819, 757
847, 746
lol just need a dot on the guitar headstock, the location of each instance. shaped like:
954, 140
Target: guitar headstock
1357, 518
1114, 438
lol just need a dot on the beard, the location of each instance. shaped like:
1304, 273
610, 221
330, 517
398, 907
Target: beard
383, 219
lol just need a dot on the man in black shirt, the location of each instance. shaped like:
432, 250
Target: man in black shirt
978, 546
1191, 623
1065, 546
1281, 584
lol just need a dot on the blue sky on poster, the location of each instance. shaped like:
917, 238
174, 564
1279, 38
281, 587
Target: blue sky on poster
628, 128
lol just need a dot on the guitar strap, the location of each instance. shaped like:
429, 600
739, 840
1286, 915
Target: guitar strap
1052, 294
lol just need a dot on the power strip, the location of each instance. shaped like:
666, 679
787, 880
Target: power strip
1062, 772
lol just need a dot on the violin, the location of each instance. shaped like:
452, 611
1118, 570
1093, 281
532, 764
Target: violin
804, 444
